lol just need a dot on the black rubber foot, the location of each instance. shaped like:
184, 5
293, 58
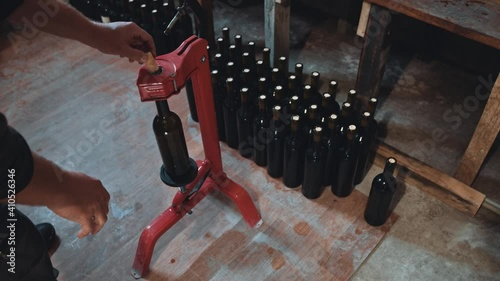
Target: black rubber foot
182, 180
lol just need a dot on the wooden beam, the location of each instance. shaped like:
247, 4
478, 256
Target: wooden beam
374, 53
277, 27
442, 186
207, 6
486, 132
363, 19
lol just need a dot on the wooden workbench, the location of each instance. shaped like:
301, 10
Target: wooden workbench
476, 20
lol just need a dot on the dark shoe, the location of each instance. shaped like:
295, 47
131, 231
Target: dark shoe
48, 234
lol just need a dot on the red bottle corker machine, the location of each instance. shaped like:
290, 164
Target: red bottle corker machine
194, 179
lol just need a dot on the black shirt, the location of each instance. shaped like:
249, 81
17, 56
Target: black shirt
7, 7
14, 151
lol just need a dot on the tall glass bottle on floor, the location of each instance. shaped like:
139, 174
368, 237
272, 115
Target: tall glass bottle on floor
382, 193
312, 184
345, 167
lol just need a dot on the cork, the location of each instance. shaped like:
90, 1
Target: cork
150, 64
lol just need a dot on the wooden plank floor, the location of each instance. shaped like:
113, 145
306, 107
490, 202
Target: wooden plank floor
81, 109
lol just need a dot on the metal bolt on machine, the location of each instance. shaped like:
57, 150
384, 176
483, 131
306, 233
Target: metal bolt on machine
157, 81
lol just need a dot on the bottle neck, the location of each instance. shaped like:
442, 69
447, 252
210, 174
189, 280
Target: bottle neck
389, 167
163, 109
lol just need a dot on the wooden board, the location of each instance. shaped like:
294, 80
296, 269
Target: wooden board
277, 28
374, 53
442, 186
485, 134
68, 90
477, 20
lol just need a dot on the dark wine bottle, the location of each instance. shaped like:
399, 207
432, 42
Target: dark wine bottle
294, 155
332, 90
221, 48
384, 187
230, 108
278, 98
275, 78
231, 71
345, 167
170, 138
105, 15
259, 68
352, 98
276, 145
299, 75
248, 80
292, 86
251, 51
312, 185
283, 67
226, 36
315, 85
260, 132
245, 127
220, 94
328, 106
234, 56
266, 60
307, 98
133, 12
346, 116
331, 142
248, 61
294, 105
238, 43
157, 33
219, 64
365, 146
264, 89
311, 123
146, 19
372, 106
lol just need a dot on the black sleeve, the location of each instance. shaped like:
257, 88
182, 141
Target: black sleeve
7, 7
14, 154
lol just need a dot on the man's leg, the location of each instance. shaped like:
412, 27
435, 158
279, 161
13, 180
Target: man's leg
32, 262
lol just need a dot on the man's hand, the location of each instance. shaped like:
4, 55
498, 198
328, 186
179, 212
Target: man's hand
125, 39
83, 200
73, 196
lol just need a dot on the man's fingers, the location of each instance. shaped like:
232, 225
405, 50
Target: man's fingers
147, 40
100, 220
135, 55
87, 228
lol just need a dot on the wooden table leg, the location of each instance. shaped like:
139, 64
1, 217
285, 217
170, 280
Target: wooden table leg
375, 51
207, 6
277, 27
486, 132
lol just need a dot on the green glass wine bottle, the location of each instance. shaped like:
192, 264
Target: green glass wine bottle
294, 155
312, 184
382, 193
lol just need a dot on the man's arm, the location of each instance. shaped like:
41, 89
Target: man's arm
121, 38
73, 196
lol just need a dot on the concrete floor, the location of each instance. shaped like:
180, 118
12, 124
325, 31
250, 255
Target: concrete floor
430, 241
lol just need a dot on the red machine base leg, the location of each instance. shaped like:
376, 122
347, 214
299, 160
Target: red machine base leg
172, 215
